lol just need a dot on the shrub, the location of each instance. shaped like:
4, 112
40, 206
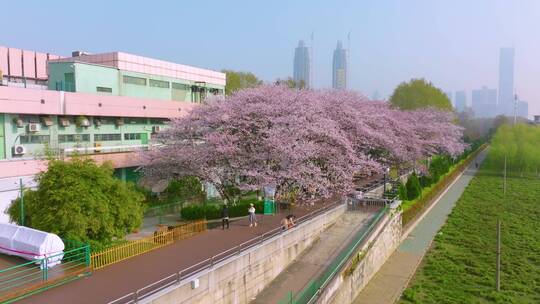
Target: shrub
425, 181
182, 189
81, 201
413, 187
438, 167
402, 192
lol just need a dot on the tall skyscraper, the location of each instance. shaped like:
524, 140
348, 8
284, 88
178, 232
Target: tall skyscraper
301, 64
484, 102
339, 68
506, 81
461, 101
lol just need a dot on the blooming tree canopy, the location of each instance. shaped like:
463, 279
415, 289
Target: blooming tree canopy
302, 141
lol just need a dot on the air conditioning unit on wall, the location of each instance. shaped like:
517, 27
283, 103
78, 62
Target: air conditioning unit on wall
19, 150
32, 127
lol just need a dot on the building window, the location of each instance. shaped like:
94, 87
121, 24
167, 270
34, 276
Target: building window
107, 137
29, 118
69, 138
105, 120
104, 90
134, 80
179, 91
158, 121
35, 139
180, 86
132, 136
159, 83
135, 120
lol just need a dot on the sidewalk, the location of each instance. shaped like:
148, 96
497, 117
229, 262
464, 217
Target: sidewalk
394, 276
119, 279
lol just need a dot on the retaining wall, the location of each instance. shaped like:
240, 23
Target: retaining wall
239, 279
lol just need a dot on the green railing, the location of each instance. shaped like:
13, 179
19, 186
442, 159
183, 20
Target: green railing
311, 290
22, 280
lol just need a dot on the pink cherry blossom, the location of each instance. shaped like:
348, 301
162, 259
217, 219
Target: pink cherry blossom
310, 142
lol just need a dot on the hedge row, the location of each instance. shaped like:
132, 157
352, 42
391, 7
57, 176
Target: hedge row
427, 198
213, 211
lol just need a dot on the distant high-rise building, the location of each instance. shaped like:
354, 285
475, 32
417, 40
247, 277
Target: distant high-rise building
339, 68
484, 102
523, 109
301, 64
506, 82
461, 101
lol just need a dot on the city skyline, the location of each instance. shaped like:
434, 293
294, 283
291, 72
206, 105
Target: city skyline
416, 40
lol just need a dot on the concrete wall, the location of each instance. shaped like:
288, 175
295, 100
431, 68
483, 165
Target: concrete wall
240, 278
375, 251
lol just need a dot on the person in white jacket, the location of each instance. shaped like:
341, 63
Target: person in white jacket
252, 217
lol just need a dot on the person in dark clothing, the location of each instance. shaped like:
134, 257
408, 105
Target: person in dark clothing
476, 165
225, 217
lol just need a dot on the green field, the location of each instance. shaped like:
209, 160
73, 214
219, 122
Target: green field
460, 265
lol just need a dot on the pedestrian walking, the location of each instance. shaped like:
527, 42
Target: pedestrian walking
252, 217
225, 217
476, 165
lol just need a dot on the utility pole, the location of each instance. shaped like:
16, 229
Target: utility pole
504, 188
348, 66
515, 108
498, 273
311, 59
21, 221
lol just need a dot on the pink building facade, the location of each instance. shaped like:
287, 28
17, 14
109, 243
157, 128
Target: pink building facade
108, 106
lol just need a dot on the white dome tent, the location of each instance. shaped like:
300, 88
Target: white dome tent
31, 244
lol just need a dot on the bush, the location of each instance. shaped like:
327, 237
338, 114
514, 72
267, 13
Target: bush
402, 192
425, 181
438, 167
413, 187
183, 189
81, 201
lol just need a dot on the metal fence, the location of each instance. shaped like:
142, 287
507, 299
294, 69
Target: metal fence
28, 278
310, 292
177, 277
130, 249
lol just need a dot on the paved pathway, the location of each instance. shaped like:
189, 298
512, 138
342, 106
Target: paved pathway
119, 279
314, 260
394, 276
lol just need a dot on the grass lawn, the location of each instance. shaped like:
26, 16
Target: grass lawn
460, 266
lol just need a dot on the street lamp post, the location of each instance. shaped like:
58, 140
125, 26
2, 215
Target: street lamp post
386, 170
21, 220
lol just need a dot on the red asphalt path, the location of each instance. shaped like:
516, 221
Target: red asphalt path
125, 277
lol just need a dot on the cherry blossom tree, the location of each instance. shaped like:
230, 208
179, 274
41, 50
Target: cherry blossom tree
302, 141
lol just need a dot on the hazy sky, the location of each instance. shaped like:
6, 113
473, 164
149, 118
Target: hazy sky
453, 43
